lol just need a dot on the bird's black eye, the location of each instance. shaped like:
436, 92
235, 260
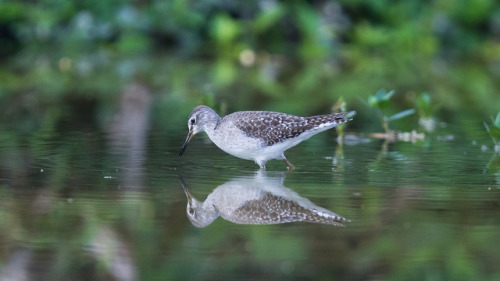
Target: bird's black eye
191, 211
192, 121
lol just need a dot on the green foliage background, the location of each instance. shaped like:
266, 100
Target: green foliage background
303, 54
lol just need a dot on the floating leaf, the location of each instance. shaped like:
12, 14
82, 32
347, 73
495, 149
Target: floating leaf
401, 114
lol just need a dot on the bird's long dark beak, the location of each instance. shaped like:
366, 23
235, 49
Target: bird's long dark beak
186, 190
184, 146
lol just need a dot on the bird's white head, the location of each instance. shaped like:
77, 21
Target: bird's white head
199, 120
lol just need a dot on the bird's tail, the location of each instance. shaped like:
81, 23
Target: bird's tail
350, 115
330, 120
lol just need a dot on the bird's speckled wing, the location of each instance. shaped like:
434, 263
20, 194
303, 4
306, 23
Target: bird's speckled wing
272, 209
275, 127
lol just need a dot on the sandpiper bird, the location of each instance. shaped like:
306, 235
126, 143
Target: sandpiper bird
259, 135
256, 200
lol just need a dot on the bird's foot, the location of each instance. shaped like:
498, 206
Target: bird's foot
290, 165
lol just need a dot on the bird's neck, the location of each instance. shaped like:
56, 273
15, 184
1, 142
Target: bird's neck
211, 126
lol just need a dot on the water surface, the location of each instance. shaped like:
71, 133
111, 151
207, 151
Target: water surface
88, 205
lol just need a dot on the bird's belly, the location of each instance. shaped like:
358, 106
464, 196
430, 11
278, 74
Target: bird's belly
247, 154
276, 150
239, 146
265, 153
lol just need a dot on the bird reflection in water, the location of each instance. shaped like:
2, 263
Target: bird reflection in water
256, 200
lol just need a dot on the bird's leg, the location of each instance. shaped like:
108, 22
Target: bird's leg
262, 164
290, 165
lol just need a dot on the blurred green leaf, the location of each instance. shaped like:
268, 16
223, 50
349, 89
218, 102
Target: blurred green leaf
224, 72
269, 17
315, 38
401, 114
384, 95
486, 126
388, 95
423, 104
497, 121
372, 101
11, 11
133, 42
224, 29
340, 105
381, 99
494, 132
